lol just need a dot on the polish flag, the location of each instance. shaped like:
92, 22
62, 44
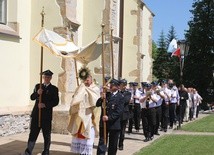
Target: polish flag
172, 46
177, 53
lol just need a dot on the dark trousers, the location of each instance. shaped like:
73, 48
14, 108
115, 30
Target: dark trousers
102, 148
151, 121
180, 111
158, 118
197, 111
122, 132
34, 132
172, 113
137, 112
165, 116
144, 116
112, 139
131, 117
190, 113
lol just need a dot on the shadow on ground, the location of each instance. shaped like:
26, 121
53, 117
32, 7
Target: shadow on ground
18, 147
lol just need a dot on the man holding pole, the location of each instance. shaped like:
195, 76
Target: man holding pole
49, 99
125, 115
114, 109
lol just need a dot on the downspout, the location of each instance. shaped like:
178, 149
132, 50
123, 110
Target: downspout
120, 54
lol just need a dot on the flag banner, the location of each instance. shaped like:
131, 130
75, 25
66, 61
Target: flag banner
176, 53
56, 43
62, 47
172, 46
90, 52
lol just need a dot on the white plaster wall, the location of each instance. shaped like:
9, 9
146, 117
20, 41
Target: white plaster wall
146, 45
52, 19
15, 59
91, 28
129, 49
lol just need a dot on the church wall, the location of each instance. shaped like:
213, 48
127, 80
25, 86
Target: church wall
15, 58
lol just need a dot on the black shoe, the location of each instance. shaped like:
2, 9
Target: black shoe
165, 130
146, 140
121, 148
157, 134
45, 153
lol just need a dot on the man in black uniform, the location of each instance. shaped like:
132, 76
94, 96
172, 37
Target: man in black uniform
49, 100
114, 109
136, 94
125, 115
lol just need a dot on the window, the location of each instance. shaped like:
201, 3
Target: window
3, 11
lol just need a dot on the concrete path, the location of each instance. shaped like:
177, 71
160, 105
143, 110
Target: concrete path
15, 144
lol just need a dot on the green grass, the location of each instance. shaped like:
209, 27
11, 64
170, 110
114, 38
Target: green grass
205, 124
180, 145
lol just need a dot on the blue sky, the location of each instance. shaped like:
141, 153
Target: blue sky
170, 12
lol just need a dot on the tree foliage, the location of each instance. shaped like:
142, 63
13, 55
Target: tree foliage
171, 35
165, 66
200, 60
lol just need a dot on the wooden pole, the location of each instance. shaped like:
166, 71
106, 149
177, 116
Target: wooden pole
41, 70
104, 83
112, 54
77, 78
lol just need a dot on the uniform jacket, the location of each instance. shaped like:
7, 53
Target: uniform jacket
183, 97
127, 97
50, 98
114, 110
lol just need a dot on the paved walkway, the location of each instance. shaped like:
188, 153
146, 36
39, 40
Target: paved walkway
15, 144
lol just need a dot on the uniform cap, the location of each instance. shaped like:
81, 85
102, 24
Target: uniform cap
47, 73
123, 81
135, 84
154, 83
143, 84
148, 85
114, 82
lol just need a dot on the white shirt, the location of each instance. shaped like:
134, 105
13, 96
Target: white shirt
153, 104
138, 94
167, 93
174, 95
160, 100
143, 104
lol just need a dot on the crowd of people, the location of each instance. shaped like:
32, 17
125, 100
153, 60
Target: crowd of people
160, 106
112, 111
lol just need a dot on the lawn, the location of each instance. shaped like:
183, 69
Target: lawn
205, 124
180, 145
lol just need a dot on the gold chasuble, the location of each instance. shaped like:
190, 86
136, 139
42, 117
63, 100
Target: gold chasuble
83, 111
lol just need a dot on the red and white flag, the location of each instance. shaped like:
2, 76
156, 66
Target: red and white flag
177, 53
172, 46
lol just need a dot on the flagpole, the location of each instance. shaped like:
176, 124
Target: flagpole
104, 83
112, 54
77, 78
41, 70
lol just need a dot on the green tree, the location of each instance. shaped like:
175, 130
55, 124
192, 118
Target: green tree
154, 50
199, 62
174, 62
160, 65
165, 66
171, 35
